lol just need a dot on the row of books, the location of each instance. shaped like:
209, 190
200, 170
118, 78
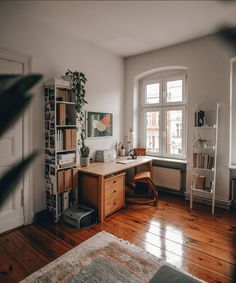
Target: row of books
205, 161
66, 139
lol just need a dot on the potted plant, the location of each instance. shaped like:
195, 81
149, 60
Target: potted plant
78, 81
84, 155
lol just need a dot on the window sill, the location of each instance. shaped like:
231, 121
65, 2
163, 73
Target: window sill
182, 161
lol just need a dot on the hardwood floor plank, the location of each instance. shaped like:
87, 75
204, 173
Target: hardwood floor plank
23, 253
47, 244
70, 235
10, 270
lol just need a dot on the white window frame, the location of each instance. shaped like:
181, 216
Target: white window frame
162, 107
152, 109
164, 110
174, 78
146, 82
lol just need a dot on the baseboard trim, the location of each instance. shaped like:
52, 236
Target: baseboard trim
220, 203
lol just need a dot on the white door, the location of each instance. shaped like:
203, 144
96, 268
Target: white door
11, 151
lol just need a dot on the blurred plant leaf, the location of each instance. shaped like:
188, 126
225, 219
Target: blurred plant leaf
13, 101
228, 35
12, 177
14, 98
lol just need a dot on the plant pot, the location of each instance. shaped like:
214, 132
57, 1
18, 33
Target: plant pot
84, 161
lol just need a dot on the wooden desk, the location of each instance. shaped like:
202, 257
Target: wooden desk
97, 181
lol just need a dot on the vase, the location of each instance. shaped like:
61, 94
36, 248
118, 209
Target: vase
84, 161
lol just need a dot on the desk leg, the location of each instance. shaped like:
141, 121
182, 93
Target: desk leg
101, 199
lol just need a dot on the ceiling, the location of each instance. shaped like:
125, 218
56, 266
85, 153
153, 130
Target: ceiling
128, 28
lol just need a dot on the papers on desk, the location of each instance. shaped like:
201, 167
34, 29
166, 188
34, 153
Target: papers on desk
125, 161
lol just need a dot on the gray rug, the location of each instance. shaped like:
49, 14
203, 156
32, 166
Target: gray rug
105, 258
106, 271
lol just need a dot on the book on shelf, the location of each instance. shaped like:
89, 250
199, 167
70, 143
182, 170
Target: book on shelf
198, 182
64, 95
204, 161
61, 114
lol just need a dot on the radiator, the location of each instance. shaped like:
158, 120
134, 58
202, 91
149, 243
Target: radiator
166, 177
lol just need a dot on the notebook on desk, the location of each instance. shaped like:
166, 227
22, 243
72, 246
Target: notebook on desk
125, 161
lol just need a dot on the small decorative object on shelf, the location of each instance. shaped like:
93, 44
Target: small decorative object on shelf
60, 146
204, 158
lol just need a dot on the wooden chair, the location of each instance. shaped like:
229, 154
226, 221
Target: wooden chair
141, 190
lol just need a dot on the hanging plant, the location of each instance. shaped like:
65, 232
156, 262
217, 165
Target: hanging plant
78, 81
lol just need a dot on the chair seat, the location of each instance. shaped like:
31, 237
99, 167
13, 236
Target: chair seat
142, 175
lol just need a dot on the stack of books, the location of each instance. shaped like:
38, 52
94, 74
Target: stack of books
66, 159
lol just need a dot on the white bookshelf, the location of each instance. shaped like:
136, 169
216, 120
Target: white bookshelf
60, 146
204, 156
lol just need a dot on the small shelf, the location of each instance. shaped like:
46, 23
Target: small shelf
66, 167
66, 126
205, 127
207, 190
65, 102
65, 150
50, 148
204, 169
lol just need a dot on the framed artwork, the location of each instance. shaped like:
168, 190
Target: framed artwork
99, 124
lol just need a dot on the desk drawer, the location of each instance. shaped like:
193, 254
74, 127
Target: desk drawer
113, 181
113, 204
114, 191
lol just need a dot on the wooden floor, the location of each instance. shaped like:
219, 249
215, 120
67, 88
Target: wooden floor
194, 241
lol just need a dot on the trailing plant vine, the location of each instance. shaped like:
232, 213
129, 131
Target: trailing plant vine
78, 81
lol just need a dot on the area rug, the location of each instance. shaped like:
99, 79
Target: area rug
103, 258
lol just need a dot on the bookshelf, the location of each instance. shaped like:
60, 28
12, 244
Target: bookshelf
60, 147
204, 161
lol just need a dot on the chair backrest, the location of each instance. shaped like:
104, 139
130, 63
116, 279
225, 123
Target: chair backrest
140, 151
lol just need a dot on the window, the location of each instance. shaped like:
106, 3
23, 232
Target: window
163, 106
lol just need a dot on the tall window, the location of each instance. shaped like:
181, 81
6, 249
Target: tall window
163, 106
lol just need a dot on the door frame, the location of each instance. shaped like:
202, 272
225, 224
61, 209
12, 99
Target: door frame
27, 131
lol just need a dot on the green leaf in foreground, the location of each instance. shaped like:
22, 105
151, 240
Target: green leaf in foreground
10, 179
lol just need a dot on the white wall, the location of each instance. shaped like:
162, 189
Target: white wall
53, 52
208, 75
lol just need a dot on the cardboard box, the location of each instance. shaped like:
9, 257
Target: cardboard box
67, 180
73, 138
60, 181
67, 139
61, 114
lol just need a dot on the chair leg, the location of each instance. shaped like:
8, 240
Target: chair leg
154, 191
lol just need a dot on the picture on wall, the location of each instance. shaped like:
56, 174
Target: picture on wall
99, 124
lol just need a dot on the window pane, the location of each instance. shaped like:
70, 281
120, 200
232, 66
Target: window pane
174, 91
174, 134
152, 131
152, 93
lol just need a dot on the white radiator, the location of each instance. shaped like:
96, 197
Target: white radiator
166, 177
